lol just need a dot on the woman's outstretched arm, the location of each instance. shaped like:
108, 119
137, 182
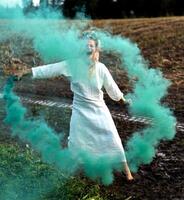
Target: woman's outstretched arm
51, 70
45, 71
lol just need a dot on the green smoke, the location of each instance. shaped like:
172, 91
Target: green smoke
57, 40
150, 88
24, 176
11, 13
47, 142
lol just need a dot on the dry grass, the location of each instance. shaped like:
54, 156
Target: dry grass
161, 41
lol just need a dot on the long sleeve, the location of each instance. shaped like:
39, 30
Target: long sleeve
51, 70
110, 86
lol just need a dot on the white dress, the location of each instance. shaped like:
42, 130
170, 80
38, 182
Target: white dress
92, 128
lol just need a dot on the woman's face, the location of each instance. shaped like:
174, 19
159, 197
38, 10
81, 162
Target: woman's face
91, 47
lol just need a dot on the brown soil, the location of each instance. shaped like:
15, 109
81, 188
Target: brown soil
162, 43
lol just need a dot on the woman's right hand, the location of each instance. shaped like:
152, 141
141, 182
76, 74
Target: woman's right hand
20, 73
16, 72
15, 67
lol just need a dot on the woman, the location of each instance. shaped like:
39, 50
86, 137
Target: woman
91, 126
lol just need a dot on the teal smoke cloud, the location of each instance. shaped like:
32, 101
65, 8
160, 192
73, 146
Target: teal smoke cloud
57, 40
46, 141
146, 98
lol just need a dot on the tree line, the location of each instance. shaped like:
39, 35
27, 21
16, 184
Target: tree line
104, 9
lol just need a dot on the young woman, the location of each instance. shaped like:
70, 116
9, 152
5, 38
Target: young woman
91, 127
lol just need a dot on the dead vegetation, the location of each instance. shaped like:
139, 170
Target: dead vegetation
161, 41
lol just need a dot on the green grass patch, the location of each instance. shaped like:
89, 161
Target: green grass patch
23, 175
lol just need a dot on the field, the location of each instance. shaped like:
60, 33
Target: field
161, 41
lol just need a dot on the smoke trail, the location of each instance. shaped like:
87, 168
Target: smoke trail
25, 185
47, 142
24, 175
60, 40
150, 88
54, 42
11, 9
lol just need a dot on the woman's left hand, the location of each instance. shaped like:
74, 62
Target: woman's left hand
128, 102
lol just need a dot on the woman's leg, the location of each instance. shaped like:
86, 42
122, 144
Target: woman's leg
127, 171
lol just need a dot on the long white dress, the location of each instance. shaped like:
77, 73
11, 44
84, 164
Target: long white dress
92, 128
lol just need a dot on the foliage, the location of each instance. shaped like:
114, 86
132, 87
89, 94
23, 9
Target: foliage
24, 176
125, 8
103, 9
